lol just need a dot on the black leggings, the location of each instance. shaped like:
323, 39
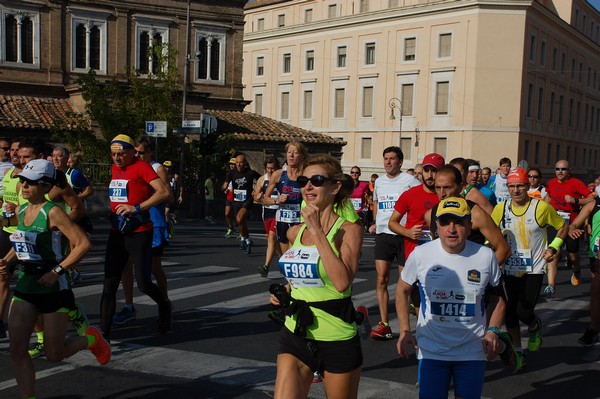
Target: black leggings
522, 295
118, 250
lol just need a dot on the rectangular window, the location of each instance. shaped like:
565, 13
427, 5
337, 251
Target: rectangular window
549, 153
529, 100
285, 105
211, 47
370, 53
281, 20
308, 15
554, 59
149, 48
439, 146
442, 93
406, 147
537, 153
341, 57
410, 48
332, 11
445, 45
552, 99
310, 60
557, 152
580, 71
561, 100
532, 49
589, 77
407, 99
89, 41
260, 66
366, 144
287, 63
570, 113
308, 104
260, 24
540, 105
367, 106
340, 95
563, 63
543, 53
364, 6
526, 149
19, 38
258, 104
573, 69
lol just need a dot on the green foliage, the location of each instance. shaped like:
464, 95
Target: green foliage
80, 137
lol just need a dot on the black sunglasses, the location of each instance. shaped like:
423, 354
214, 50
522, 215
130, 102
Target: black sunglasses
446, 220
315, 180
24, 180
561, 169
533, 176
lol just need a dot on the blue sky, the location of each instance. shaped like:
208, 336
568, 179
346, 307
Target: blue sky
595, 4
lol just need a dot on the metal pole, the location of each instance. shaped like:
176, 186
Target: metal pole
393, 105
185, 84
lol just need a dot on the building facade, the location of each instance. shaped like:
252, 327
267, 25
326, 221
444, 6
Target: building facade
46, 45
472, 78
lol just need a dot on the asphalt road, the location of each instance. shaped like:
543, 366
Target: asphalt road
223, 346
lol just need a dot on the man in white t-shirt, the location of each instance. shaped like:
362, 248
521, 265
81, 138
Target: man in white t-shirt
388, 245
453, 274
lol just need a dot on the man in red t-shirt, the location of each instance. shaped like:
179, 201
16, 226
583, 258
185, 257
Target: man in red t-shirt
566, 194
133, 190
414, 203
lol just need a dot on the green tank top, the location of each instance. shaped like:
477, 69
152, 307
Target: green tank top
326, 327
35, 243
9, 194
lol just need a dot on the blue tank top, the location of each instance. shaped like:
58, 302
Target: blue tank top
289, 187
269, 211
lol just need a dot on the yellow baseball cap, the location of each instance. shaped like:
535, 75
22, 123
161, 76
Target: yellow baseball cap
122, 142
167, 163
232, 160
453, 206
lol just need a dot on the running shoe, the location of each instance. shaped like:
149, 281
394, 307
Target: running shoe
382, 332
36, 350
317, 377
549, 292
249, 247
509, 355
589, 338
575, 279
126, 314
229, 233
363, 325
263, 271
243, 244
78, 319
520, 361
100, 348
165, 318
535, 338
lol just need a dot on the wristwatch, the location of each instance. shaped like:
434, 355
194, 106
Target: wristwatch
58, 270
495, 330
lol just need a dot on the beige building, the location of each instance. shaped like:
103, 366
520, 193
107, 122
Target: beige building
481, 79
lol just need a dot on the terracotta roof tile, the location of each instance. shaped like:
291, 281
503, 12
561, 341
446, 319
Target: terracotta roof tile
250, 126
32, 112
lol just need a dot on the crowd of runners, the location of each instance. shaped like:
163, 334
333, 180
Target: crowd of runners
472, 247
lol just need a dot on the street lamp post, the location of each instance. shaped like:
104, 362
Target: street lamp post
393, 104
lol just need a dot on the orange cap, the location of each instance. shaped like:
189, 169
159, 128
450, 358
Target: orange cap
518, 175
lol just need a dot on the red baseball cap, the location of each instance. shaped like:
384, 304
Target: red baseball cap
518, 175
433, 159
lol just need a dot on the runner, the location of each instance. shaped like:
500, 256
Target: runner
371, 220
388, 245
453, 274
419, 172
486, 173
42, 288
268, 213
144, 151
590, 212
468, 190
498, 182
133, 190
176, 186
359, 194
290, 196
524, 221
536, 189
209, 197
314, 337
242, 181
566, 193
228, 191
473, 179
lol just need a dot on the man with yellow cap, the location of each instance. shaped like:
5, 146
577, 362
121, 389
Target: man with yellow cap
176, 188
453, 274
524, 221
134, 189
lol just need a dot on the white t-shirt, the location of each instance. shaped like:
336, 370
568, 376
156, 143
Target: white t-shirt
452, 319
386, 193
500, 188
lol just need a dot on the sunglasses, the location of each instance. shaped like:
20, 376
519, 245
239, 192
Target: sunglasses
445, 221
354, 173
24, 180
533, 176
315, 180
557, 169
139, 152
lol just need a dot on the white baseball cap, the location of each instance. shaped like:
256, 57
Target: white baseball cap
39, 169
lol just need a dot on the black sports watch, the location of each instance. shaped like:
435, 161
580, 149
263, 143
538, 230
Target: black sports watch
58, 270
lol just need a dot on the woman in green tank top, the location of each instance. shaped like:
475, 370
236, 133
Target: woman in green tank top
320, 333
42, 287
